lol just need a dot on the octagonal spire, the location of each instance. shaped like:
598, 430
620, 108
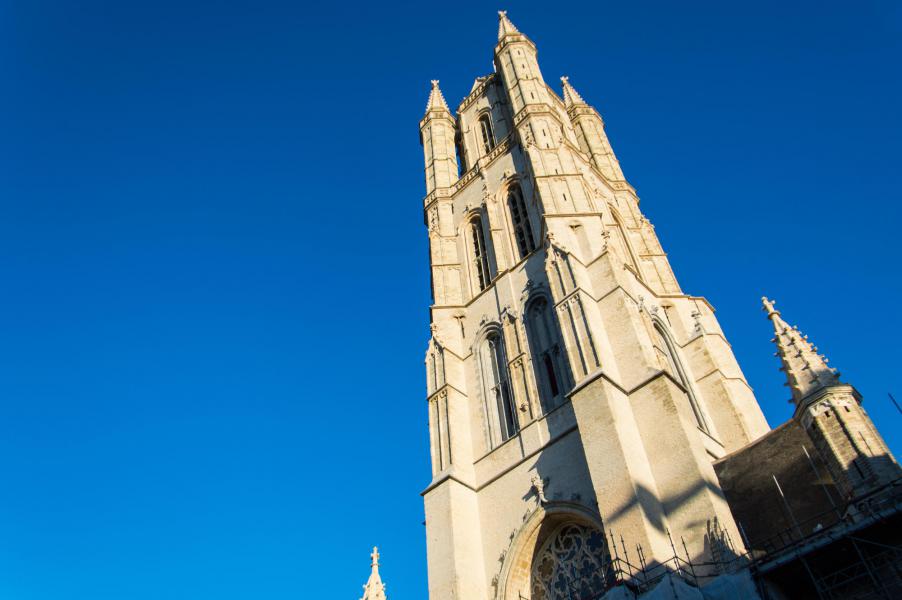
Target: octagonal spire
806, 370
571, 96
505, 27
436, 99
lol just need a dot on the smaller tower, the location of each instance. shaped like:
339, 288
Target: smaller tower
516, 59
830, 411
590, 133
374, 588
437, 136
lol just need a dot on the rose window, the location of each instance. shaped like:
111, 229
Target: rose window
572, 565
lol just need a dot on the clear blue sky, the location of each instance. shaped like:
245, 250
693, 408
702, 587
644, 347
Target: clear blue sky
214, 265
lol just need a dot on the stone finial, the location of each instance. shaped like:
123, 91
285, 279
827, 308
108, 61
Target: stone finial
505, 27
436, 99
571, 96
806, 370
374, 588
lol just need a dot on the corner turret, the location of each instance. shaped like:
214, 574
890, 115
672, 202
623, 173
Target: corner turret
437, 131
830, 411
590, 133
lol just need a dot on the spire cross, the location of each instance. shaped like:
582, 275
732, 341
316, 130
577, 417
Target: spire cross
375, 556
502, 13
565, 79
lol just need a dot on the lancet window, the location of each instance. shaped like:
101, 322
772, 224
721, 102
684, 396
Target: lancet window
675, 367
499, 402
485, 130
623, 240
548, 357
520, 221
435, 367
483, 275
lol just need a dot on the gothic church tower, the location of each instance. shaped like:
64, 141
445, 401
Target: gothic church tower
575, 392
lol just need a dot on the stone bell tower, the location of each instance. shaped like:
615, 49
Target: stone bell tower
575, 392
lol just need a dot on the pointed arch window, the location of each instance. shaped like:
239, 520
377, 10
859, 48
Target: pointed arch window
520, 221
674, 366
485, 130
623, 238
461, 157
480, 253
499, 401
435, 367
548, 359
573, 563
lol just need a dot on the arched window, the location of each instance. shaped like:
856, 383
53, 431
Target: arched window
548, 358
488, 137
480, 254
500, 407
623, 238
520, 221
675, 368
461, 157
435, 367
573, 563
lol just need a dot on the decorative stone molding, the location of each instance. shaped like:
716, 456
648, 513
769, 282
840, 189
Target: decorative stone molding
821, 407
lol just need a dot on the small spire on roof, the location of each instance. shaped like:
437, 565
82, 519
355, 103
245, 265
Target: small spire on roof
571, 96
436, 99
374, 588
505, 27
806, 370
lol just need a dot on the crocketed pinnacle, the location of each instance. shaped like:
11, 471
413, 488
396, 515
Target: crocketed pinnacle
374, 588
571, 96
505, 27
806, 370
436, 99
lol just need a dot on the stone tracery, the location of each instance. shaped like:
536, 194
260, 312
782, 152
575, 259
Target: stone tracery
573, 563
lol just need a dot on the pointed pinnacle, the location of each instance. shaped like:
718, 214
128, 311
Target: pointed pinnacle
374, 588
436, 99
505, 27
806, 370
571, 96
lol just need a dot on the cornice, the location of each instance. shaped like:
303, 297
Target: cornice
539, 108
583, 110
437, 115
817, 395
513, 38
